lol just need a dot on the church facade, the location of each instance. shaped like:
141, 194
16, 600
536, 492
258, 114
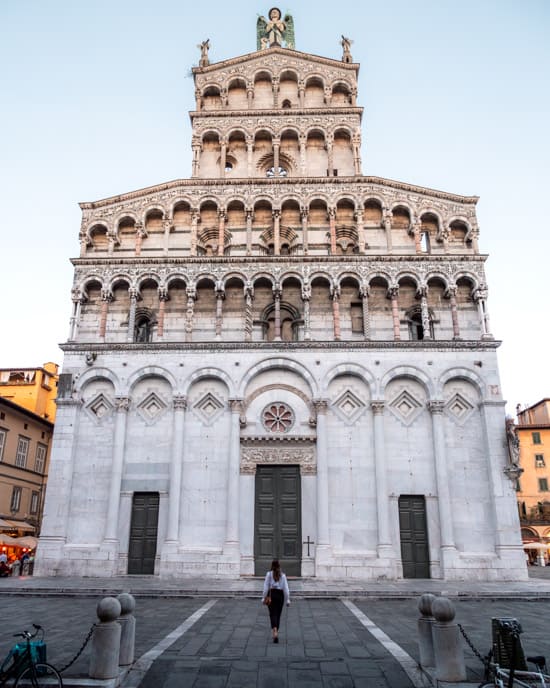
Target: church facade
280, 356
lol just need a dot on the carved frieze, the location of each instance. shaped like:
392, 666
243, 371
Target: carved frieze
273, 452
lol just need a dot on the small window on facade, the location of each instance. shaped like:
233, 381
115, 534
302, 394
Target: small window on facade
15, 499
287, 104
40, 459
424, 242
536, 437
3, 434
22, 451
543, 484
282, 172
334, 173
34, 502
143, 331
539, 461
228, 166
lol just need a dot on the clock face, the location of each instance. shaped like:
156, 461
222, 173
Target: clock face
281, 172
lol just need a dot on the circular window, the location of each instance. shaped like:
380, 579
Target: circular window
277, 417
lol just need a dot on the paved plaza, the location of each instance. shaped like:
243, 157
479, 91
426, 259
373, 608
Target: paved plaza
324, 641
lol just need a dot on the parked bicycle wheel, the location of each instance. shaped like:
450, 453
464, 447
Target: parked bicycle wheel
39, 675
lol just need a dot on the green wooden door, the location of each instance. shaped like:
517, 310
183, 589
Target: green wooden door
278, 519
143, 533
414, 536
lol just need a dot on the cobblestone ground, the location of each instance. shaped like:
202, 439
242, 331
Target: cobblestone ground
322, 643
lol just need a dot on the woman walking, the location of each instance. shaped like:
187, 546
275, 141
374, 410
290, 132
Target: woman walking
275, 594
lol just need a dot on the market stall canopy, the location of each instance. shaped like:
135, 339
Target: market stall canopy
18, 525
535, 545
8, 540
26, 541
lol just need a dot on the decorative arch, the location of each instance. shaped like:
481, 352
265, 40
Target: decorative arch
215, 373
94, 374
285, 364
411, 372
461, 373
151, 371
352, 369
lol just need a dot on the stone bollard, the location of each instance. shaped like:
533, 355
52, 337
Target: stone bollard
127, 623
448, 651
106, 640
425, 623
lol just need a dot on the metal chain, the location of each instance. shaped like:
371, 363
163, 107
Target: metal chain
483, 660
73, 660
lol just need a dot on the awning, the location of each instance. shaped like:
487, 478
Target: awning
535, 545
17, 525
26, 541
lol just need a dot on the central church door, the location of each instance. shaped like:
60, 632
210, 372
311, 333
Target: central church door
278, 519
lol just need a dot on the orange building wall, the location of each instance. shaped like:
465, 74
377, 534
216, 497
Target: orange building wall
32, 388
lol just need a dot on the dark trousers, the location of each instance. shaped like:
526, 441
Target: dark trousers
276, 607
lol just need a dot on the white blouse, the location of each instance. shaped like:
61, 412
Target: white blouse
281, 584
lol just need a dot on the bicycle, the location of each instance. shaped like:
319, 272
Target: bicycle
505, 678
24, 664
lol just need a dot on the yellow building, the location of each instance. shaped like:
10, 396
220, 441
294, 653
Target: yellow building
533, 431
35, 389
25, 447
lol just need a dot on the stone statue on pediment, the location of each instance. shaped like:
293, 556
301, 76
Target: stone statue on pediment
275, 31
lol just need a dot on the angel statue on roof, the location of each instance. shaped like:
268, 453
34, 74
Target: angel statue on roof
275, 30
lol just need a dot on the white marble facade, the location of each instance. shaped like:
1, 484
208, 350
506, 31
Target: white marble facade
357, 304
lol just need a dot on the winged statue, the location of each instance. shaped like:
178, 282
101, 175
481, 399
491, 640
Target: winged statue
275, 31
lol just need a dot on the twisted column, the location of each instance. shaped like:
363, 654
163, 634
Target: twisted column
336, 311
163, 298
425, 314
132, 293
277, 297
364, 292
332, 224
248, 296
191, 296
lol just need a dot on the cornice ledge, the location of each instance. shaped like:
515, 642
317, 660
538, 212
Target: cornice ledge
214, 66
246, 439
234, 261
223, 114
217, 347
292, 181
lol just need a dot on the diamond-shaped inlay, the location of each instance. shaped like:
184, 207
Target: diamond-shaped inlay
151, 407
405, 407
208, 408
459, 408
348, 406
99, 407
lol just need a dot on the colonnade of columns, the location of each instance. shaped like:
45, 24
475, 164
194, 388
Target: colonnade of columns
479, 296
275, 91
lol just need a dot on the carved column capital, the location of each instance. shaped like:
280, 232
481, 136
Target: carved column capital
320, 406
236, 406
179, 402
378, 407
163, 293
122, 404
435, 406
106, 295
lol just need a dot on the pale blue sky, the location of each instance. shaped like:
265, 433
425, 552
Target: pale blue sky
95, 96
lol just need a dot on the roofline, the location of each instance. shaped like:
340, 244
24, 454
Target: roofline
542, 401
32, 368
213, 66
26, 412
246, 182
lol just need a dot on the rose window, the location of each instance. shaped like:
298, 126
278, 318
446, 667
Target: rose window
278, 417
